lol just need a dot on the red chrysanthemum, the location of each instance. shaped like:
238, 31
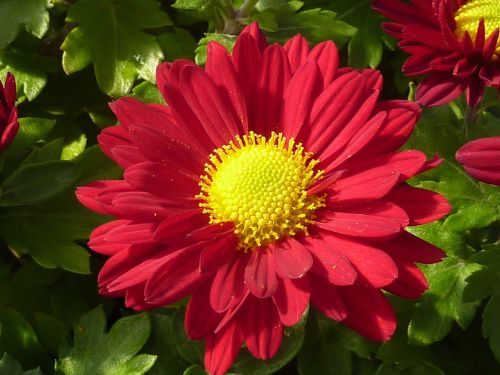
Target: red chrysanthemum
8, 112
481, 159
455, 43
271, 180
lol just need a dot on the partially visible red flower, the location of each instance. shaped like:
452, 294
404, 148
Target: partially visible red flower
271, 180
454, 43
8, 112
481, 159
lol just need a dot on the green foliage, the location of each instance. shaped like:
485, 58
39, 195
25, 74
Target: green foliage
30, 71
476, 210
9, 365
113, 353
443, 303
330, 348
110, 36
70, 57
31, 15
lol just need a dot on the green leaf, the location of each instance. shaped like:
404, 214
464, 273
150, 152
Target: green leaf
224, 39
443, 303
491, 323
195, 370
316, 25
48, 230
177, 44
329, 347
148, 93
30, 131
110, 36
52, 332
29, 69
36, 182
191, 351
365, 48
162, 343
483, 283
192, 4
74, 147
114, 353
30, 14
9, 366
18, 290
19, 339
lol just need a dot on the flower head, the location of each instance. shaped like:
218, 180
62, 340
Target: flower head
271, 180
455, 43
8, 112
481, 159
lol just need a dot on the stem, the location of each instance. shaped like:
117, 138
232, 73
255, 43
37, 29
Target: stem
246, 8
470, 119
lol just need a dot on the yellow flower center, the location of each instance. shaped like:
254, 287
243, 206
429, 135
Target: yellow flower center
261, 186
468, 16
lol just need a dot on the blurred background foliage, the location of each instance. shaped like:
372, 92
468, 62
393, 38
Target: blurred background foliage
70, 58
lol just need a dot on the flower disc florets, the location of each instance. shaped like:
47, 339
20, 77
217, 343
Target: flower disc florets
261, 185
467, 19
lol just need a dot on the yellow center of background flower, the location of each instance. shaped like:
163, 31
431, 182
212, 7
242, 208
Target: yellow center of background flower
468, 16
261, 186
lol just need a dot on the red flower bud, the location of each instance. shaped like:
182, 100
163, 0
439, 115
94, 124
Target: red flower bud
481, 159
8, 112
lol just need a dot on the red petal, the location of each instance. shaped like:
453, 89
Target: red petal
291, 299
205, 101
262, 335
177, 227
200, 319
438, 89
411, 282
220, 67
326, 56
218, 253
327, 299
422, 206
111, 137
268, 98
221, 349
254, 31
298, 99
165, 182
329, 264
378, 219
348, 144
408, 246
333, 109
297, 50
399, 124
228, 287
97, 240
375, 268
260, 275
246, 49
176, 278
291, 259
168, 148
365, 186
369, 312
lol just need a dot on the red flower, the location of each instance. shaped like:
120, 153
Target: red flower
8, 112
271, 180
454, 43
481, 159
